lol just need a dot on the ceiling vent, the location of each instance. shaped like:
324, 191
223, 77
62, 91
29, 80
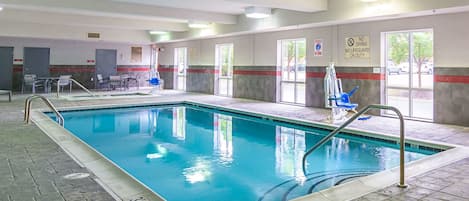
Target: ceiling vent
93, 35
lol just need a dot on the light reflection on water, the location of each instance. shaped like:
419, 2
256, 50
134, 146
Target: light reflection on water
213, 156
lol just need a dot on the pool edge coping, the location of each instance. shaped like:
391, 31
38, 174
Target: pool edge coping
368, 184
115, 180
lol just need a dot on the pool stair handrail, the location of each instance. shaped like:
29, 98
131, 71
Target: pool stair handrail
401, 183
77, 83
27, 108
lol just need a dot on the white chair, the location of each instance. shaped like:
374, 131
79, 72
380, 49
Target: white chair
64, 80
115, 81
30, 80
101, 81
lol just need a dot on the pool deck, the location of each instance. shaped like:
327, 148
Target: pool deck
34, 165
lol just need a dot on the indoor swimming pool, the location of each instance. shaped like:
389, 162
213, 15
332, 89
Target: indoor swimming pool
186, 151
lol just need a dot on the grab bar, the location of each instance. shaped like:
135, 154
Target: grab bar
27, 108
401, 183
77, 83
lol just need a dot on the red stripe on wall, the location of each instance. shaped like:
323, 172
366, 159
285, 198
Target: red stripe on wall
72, 70
452, 79
315, 74
257, 72
201, 70
358, 76
17, 69
166, 70
126, 69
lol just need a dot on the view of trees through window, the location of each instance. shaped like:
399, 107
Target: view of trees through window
409, 67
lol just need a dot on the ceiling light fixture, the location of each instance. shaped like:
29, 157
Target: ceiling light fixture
368, 1
1, 8
157, 32
257, 12
198, 24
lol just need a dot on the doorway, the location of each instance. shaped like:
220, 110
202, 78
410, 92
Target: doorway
106, 62
224, 63
293, 63
36, 61
6, 67
409, 73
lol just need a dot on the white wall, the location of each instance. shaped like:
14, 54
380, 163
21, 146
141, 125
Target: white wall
68, 52
451, 43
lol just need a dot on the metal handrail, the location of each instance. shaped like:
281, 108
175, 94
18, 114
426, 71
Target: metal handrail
355, 116
27, 108
77, 83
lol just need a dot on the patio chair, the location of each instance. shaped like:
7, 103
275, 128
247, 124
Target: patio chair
101, 81
115, 81
64, 80
31, 80
8, 92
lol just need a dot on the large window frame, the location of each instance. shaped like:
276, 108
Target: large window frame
410, 68
224, 64
299, 70
180, 63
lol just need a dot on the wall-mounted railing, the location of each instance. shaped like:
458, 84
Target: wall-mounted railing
362, 111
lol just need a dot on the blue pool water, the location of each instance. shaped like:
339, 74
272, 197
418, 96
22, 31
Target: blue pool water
184, 152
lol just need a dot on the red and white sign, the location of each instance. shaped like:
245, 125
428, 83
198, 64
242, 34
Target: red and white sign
318, 46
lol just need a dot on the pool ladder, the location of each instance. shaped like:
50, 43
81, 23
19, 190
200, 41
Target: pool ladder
27, 108
401, 183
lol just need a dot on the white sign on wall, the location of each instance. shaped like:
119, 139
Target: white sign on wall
318, 47
357, 47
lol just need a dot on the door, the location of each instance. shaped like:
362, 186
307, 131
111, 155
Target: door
293, 63
409, 73
106, 62
180, 61
224, 64
36, 61
6, 67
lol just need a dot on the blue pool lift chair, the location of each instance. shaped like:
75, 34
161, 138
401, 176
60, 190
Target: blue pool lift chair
343, 101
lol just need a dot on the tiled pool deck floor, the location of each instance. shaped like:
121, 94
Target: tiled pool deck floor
33, 166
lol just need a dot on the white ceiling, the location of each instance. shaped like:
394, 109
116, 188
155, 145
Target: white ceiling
163, 15
235, 7
221, 6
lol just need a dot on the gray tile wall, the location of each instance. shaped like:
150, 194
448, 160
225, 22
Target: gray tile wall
168, 75
255, 86
451, 99
202, 81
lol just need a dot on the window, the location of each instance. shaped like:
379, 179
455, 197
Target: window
293, 63
180, 62
224, 64
409, 72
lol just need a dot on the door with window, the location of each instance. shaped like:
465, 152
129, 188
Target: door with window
180, 62
293, 63
224, 64
409, 73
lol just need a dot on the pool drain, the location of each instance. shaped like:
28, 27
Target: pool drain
76, 176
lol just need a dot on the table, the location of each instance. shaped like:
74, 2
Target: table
47, 82
127, 80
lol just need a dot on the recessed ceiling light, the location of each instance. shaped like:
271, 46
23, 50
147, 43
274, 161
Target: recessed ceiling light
1, 8
157, 32
198, 24
257, 12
